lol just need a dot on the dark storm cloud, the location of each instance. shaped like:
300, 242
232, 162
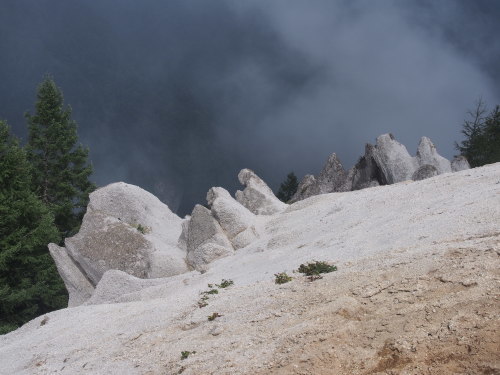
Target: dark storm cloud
177, 96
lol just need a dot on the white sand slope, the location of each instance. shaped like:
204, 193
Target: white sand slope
416, 291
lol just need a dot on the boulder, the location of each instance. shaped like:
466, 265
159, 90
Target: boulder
257, 196
427, 155
206, 239
80, 288
425, 171
236, 220
393, 159
459, 163
126, 228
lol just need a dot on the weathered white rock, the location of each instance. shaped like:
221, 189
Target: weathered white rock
427, 155
80, 289
128, 229
425, 171
393, 159
232, 217
257, 196
206, 239
115, 283
459, 163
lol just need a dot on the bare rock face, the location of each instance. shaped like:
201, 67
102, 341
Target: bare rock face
393, 159
257, 196
459, 163
236, 220
206, 240
125, 228
79, 287
425, 171
427, 155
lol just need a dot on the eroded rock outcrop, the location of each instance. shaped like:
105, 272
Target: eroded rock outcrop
386, 162
306, 186
236, 220
125, 228
257, 196
393, 159
427, 155
79, 287
367, 173
332, 178
459, 163
425, 171
206, 241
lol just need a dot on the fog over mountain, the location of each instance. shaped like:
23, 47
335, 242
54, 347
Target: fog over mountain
178, 96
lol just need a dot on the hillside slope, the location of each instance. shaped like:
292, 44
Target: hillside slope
416, 291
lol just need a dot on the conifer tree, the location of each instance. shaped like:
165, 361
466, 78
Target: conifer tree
482, 143
61, 169
288, 188
29, 282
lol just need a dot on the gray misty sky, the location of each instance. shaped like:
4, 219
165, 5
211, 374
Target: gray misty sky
178, 96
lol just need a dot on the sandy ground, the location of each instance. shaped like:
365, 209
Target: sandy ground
416, 292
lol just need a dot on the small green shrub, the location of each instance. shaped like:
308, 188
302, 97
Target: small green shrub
315, 268
143, 229
282, 278
186, 354
211, 291
224, 283
214, 316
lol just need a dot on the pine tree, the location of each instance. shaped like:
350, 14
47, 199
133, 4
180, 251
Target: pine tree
29, 282
61, 169
482, 143
288, 188
491, 135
